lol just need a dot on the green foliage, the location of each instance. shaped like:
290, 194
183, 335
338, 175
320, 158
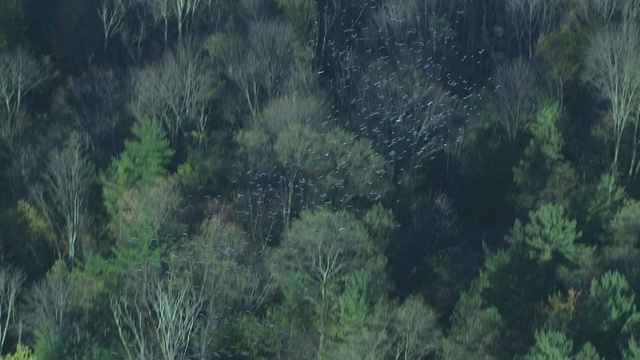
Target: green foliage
299, 146
27, 239
62, 304
356, 169
36, 223
550, 345
142, 161
547, 134
22, 352
606, 202
610, 313
342, 167
379, 223
223, 261
48, 333
563, 47
325, 248
149, 211
316, 258
555, 345
477, 330
625, 226
300, 167
519, 279
611, 303
256, 149
622, 251
633, 350
370, 328
360, 331
518, 287
355, 306
371, 343
326, 151
48, 344
588, 352
135, 254
252, 337
140, 201
543, 176
298, 334
549, 234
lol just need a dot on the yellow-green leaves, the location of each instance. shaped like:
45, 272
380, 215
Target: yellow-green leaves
23, 352
36, 223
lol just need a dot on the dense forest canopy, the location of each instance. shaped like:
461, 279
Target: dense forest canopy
319, 179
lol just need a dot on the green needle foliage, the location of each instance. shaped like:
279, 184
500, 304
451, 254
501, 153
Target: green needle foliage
550, 345
607, 200
543, 175
144, 159
555, 345
477, 330
550, 234
610, 314
633, 351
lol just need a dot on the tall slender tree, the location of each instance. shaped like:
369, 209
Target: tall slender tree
11, 280
612, 67
62, 194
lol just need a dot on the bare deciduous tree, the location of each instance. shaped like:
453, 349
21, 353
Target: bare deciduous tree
20, 74
279, 114
50, 302
56, 310
631, 11
607, 12
611, 65
607, 9
513, 96
162, 316
62, 194
559, 52
136, 28
176, 90
11, 280
177, 304
185, 11
111, 13
130, 319
96, 103
408, 115
527, 18
132, 313
261, 63
161, 11
215, 11
182, 11
412, 33
416, 330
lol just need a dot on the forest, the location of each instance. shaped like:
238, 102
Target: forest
319, 179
